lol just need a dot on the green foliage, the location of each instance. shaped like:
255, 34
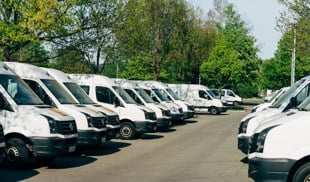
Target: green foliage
71, 62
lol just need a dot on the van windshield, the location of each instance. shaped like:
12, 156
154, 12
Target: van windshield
211, 94
160, 95
124, 95
287, 95
19, 90
79, 93
144, 95
61, 94
173, 94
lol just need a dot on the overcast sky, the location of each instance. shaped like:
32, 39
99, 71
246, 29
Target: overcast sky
260, 16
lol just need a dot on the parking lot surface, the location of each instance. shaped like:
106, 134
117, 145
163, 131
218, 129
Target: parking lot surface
202, 149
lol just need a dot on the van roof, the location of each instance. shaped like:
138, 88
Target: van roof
58, 75
28, 70
92, 79
5, 70
188, 86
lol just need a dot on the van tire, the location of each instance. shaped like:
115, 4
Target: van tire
303, 173
16, 154
235, 103
127, 131
213, 111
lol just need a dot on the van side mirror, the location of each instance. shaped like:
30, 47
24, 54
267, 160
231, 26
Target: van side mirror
4, 105
116, 102
293, 102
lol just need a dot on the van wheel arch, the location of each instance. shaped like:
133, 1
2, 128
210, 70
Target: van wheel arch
296, 167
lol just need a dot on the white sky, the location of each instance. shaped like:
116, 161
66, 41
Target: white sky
260, 16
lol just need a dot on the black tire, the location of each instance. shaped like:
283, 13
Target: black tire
213, 111
16, 154
235, 103
303, 173
127, 131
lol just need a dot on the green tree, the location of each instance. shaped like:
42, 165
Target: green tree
24, 22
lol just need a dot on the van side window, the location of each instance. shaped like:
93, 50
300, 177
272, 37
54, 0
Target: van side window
85, 88
134, 96
105, 95
203, 94
39, 91
229, 93
303, 94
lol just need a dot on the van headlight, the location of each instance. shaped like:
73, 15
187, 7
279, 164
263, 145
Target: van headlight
243, 125
52, 124
258, 140
89, 119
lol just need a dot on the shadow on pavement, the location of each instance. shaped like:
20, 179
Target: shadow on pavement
147, 136
245, 160
107, 148
13, 175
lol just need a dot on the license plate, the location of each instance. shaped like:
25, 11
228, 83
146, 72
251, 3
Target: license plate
103, 139
72, 148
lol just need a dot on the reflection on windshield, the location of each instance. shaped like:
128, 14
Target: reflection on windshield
160, 95
61, 94
288, 94
173, 94
79, 93
124, 95
144, 95
19, 90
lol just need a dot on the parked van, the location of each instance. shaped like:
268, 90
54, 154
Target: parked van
31, 128
227, 96
163, 114
188, 109
90, 124
272, 100
290, 99
135, 120
200, 96
176, 110
280, 148
111, 117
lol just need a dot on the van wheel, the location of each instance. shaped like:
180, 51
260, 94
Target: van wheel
127, 131
303, 173
213, 111
16, 153
235, 103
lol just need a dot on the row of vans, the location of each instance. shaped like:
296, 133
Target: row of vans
46, 113
276, 139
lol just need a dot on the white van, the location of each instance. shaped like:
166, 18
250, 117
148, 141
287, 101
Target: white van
290, 99
157, 96
135, 120
200, 96
163, 114
90, 124
188, 109
272, 100
280, 148
31, 128
228, 97
111, 117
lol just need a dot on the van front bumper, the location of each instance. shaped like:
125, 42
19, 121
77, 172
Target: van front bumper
261, 169
145, 126
113, 131
91, 137
188, 114
177, 117
163, 123
52, 146
221, 109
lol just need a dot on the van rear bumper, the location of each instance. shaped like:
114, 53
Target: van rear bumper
52, 146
